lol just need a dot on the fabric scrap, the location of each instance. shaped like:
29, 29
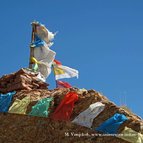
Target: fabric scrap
111, 125
45, 58
37, 42
63, 84
20, 106
5, 101
41, 107
86, 117
131, 136
63, 71
43, 33
65, 108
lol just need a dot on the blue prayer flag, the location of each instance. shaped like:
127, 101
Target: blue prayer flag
38, 42
5, 100
111, 125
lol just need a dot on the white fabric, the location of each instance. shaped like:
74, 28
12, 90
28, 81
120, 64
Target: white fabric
68, 72
44, 33
41, 77
86, 117
44, 69
44, 53
45, 57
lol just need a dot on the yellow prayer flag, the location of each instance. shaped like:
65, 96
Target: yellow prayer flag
131, 136
20, 106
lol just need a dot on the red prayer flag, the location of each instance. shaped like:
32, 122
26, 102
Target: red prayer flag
57, 62
64, 110
63, 84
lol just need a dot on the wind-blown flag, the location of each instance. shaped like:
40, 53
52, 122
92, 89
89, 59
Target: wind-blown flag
41, 107
65, 108
5, 101
43, 55
43, 33
63, 71
111, 125
86, 117
63, 84
131, 136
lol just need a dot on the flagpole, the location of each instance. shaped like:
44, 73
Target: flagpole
55, 76
32, 40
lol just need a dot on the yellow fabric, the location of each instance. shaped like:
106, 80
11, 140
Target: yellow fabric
58, 71
131, 136
20, 106
33, 60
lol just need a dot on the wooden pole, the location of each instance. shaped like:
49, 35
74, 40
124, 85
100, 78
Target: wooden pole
32, 40
55, 76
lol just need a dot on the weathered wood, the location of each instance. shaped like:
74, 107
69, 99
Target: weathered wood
31, 48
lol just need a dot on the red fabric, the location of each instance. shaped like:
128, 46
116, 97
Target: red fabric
57, 62
64, 110
63, 84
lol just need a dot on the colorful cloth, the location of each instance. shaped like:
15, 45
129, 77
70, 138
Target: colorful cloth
45, 58
41, 107
41, 77
63, 71
5, 100
63, 84
86, 117
111, 125
34, 64
35, 67
42, 53
43, 33
37, 42
64, 110
20, 106
131, 136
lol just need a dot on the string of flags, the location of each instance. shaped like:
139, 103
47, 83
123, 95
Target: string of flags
43, 58
64, 110
43, 61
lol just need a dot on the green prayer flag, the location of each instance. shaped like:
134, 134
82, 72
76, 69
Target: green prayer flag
35, 67
41, 107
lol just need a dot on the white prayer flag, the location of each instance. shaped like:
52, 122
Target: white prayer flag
86, 117
64, 71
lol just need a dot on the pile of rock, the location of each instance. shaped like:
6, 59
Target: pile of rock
23, 79
38, 129
27, 129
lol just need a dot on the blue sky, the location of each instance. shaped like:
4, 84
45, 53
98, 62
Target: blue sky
102, 39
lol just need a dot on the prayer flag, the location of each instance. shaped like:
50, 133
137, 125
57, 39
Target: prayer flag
41, 107
63, 84
64, 110
111, 125
86, 117
131, 136
5, 101
43, 33
63, 71
44, 57
20, 106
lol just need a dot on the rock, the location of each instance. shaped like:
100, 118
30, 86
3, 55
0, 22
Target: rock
21, 80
